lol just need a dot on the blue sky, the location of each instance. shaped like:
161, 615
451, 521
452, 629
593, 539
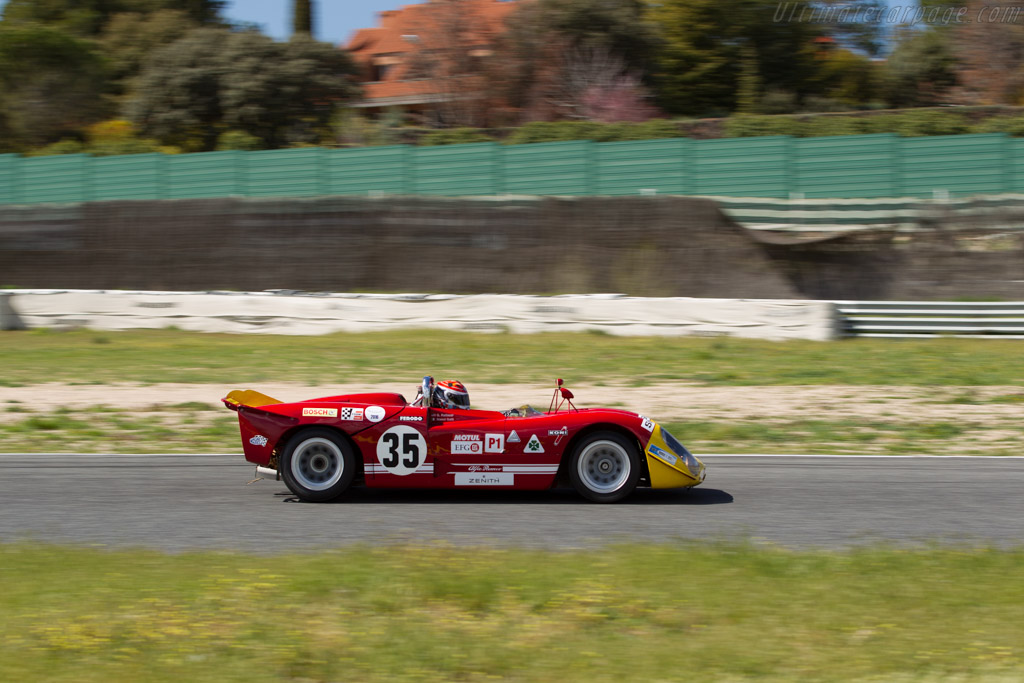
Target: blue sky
335, 19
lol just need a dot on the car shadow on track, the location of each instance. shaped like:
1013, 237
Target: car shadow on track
561, 496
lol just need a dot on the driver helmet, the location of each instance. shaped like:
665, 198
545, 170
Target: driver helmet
450, 393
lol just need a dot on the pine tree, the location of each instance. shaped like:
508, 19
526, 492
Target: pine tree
302, 21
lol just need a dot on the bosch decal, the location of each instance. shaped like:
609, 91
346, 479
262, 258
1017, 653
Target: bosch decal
319, 412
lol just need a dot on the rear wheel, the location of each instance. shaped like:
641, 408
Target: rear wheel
318, 465
605, 467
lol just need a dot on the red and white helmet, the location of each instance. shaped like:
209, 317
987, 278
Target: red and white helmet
450, 393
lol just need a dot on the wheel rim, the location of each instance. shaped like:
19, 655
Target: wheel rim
317, 464
604, 466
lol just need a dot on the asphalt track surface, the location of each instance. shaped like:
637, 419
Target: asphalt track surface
187, 502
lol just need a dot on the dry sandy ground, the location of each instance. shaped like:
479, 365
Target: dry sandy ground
674, 401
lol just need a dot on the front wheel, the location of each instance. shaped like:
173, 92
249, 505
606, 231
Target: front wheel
605, 467
318, 465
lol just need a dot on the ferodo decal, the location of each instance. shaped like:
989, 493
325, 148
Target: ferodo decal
401, 450
467, 444
375, 413
558, 433
533, 445
319, 412
353, 414
647, 423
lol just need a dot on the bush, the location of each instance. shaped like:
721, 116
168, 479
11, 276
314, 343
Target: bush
818, 126
455, 136
561, 131
916, 123
750, 125
238, 140
65, 146
1011, 125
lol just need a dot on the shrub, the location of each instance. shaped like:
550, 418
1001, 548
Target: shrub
238, 140
455, 136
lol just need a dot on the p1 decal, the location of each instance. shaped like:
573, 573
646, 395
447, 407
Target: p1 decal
375, 413
401, 450
319, 412
558, 433
533, 445
494, 443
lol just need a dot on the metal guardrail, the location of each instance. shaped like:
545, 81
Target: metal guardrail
923, 319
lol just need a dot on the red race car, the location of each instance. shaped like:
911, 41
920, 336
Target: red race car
322, 446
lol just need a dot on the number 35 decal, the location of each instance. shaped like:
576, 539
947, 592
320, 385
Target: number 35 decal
401, 449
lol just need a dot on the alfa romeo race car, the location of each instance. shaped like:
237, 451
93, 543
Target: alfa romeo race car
322, 446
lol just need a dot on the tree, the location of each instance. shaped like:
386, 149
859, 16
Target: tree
699, 67
302, 19
545, 38
215, 80
53, 84
921, 70
130, 37
991, 50
452, 52
88, 18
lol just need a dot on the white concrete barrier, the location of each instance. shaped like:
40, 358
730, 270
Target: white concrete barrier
276, 313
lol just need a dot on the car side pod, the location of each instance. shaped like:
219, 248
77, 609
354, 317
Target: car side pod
667, 469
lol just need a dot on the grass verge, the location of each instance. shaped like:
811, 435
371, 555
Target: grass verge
196, 428
670, 612
152, 356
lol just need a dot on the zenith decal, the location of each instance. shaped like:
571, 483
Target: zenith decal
354, 414
258, 440
558, 433
533, 445
319, 412
484, 479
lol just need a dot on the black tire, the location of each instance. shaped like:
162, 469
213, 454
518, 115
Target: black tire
604, 467
318, 465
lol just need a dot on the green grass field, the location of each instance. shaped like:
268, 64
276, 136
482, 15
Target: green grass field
644, 613
172, 356
188, 428
684, 612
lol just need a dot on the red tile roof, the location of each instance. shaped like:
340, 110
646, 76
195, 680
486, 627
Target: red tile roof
403, 31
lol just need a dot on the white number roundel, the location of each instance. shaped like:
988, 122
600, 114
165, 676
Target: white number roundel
401, 449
